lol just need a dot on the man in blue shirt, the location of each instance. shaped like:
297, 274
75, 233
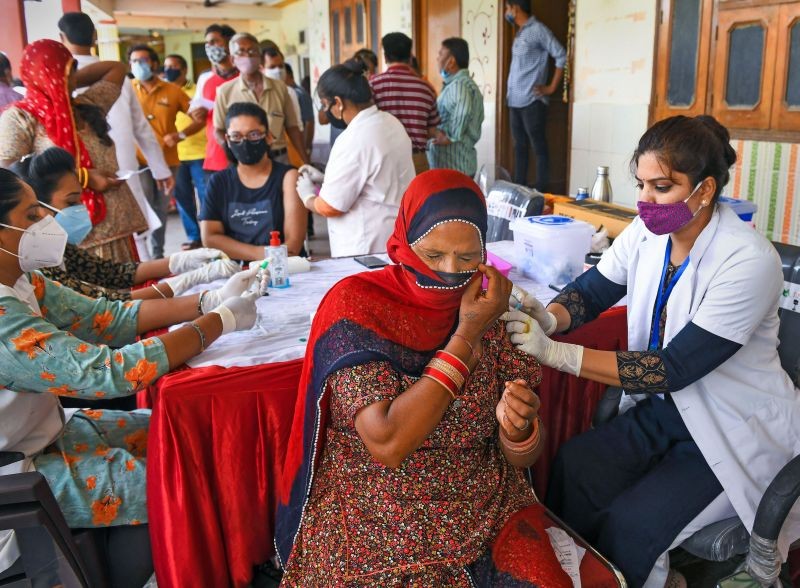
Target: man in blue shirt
528, 90
461, 108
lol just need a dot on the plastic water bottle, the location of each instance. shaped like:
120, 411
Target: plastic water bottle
582, 194
602, 186
279, 261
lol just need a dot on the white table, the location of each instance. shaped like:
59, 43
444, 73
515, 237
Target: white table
284, 317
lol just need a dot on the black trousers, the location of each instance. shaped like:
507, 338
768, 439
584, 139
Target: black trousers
528, 127
630, 486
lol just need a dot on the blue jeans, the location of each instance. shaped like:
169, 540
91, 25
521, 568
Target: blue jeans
190, 177
528, 127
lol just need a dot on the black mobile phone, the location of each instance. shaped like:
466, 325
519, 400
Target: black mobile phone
370, 261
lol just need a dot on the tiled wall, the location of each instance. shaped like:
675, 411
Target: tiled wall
612, 84
767, 174
606, 134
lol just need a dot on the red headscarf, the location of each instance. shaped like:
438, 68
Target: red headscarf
381, 315
45, 69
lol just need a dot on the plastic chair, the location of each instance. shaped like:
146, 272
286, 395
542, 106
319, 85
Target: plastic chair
726, 539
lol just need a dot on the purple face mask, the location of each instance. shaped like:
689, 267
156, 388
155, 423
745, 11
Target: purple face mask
661, 219
246, 65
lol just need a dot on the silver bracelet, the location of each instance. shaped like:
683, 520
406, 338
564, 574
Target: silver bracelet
153, 286
202, 335
200, 302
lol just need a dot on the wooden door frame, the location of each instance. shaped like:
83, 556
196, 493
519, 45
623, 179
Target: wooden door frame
420, 36
501, 110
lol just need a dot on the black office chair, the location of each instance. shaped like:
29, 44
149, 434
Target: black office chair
729, 538
52, 553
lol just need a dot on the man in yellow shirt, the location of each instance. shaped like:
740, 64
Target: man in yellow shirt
161, 102
271, 95
191, 152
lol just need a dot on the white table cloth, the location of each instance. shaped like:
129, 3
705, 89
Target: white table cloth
284, 317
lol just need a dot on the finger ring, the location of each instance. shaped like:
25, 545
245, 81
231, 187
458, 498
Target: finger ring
523, 427
527, 328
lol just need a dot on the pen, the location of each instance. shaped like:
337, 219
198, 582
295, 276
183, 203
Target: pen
552, 287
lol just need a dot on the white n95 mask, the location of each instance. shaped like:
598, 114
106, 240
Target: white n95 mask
42, 244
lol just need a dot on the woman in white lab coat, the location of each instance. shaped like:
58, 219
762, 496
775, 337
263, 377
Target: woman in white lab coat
712, 421
369, 168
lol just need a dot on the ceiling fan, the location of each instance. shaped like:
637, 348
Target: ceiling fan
212, 3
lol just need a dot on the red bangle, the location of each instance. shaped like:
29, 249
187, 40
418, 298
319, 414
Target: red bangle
454, 361
442, 379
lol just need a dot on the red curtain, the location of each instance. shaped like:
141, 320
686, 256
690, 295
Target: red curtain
568, 402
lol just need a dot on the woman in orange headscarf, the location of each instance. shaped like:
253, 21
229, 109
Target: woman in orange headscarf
415, 417
48, 116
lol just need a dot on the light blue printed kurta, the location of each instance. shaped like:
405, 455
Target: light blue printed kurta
96, 465
461, 107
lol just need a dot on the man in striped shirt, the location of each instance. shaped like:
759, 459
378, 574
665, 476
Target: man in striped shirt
461, 108
528, 89
401, 92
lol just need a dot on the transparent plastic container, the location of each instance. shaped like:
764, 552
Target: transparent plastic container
551, 249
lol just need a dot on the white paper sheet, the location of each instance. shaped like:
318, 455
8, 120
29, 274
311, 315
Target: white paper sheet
568, 553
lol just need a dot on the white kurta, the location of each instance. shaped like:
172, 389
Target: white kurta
744, 414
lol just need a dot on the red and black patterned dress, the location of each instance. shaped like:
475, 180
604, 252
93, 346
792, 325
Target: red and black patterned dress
420, 524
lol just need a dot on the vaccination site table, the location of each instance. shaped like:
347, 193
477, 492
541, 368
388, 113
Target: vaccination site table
219, 430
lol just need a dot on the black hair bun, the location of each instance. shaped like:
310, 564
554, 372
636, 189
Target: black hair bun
356, 66
729, 153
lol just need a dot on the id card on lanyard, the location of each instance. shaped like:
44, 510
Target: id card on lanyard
663, 297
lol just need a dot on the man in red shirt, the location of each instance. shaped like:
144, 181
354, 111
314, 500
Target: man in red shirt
222, 70
401, 92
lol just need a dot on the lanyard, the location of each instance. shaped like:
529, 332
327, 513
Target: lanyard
663, 296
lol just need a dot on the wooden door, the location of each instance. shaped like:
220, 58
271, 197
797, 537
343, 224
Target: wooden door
354, 26
555, 15
744, 67
786, 97
434, 21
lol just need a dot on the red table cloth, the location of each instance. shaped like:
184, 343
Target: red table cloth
218, 437
217, 441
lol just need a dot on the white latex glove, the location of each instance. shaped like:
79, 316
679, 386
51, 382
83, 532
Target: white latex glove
528, 336
236, 285
527, 303
216, 270
305, 188
238, 313
313, 173
185, 261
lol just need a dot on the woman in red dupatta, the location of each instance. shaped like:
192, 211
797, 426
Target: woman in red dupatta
49, 116
390, 480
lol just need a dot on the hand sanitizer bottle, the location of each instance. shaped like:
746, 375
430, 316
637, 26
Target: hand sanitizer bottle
279, 261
